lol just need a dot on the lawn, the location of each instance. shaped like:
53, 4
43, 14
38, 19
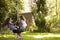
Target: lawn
31, 36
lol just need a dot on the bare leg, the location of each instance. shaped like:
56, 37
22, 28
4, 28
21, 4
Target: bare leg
19, 36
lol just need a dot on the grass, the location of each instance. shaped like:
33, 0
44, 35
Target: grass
31, 36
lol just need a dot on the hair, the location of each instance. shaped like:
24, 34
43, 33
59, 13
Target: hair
6, 22
22, 17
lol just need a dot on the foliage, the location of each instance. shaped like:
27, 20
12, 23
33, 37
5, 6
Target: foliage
39, 14
53, 23
53, 17
41, 6
14, 7
3, 11
10, 8
47, 16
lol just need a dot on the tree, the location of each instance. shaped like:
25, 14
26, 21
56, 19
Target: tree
3, 11
14, 7
40, 13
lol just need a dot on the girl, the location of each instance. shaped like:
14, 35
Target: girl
9, 23
22, 25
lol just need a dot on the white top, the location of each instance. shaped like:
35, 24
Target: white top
23, 24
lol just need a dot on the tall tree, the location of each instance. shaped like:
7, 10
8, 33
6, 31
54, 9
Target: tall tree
40, 13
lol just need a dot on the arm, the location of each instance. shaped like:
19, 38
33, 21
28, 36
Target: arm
11, 22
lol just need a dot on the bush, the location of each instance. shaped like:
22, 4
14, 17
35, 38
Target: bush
53, 23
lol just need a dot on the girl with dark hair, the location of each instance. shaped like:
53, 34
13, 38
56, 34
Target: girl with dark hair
9, 23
